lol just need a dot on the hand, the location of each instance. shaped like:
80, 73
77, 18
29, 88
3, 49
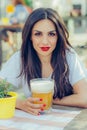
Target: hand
29, 106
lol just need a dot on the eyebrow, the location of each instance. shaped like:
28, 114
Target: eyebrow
48, 32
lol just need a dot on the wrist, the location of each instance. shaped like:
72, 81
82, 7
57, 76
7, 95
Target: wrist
19, 104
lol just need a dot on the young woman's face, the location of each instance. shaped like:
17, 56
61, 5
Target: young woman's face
44, 37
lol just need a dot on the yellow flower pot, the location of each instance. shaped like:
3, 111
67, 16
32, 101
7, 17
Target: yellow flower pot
7, 106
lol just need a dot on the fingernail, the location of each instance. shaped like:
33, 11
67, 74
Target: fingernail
41, 99
44, 105
42, 109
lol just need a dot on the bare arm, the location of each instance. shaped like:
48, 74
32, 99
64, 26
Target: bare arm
78, 99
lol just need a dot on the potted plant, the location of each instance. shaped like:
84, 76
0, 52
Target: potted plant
7, 100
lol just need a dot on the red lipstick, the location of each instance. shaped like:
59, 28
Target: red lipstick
45, 48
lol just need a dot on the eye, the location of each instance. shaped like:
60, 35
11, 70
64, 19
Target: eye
37, 34
52, 34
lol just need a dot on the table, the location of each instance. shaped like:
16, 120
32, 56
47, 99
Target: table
79, 122
61, 118
12, 26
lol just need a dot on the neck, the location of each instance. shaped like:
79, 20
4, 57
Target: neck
45, 59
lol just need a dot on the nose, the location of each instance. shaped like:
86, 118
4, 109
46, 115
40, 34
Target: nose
45, 40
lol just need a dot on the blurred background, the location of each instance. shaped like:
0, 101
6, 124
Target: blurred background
13, 14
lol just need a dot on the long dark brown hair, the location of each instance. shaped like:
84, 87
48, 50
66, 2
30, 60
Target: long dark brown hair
31, 64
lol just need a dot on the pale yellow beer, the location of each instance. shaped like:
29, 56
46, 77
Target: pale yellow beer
43, 88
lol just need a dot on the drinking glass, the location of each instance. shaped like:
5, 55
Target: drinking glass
43, 88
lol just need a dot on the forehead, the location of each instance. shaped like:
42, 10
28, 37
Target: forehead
44, 24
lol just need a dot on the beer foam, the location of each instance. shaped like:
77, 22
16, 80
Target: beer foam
42, 86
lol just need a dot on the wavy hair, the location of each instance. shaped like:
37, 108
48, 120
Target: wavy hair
31, 64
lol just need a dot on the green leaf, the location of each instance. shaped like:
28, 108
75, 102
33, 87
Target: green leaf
5, 87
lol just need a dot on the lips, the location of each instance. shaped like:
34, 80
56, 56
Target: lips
45, 48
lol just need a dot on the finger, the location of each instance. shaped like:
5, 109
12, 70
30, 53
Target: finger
34, 111
34, 106
31, 99
35, 114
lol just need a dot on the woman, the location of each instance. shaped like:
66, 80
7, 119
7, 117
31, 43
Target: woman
46, 52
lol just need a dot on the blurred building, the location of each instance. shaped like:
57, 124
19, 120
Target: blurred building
81, 5
63, 6
68, 8
3, 4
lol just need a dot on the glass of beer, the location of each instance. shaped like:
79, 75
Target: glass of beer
43, 88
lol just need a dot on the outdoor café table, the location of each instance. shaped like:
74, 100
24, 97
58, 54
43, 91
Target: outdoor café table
60, 118
12, 26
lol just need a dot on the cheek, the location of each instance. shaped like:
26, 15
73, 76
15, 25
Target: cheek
35, 44
35, 41
53, 43
54, 46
